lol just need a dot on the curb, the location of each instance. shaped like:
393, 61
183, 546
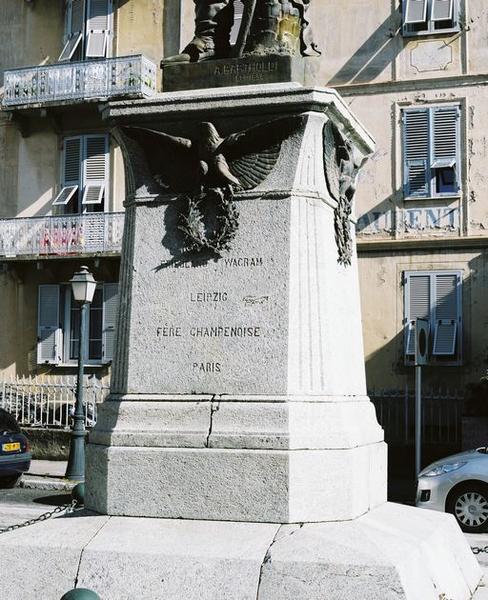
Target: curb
31, 482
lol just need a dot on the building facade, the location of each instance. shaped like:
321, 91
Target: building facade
413, 71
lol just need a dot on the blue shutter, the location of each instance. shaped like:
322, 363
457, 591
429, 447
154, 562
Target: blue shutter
75, 20
48, 330
416, 152
417, 306
442, 10
97, 28
71, 170
110, 307
445, 141
447, 313
445, 136
415, 11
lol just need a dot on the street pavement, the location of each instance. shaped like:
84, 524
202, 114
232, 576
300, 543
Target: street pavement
18, 504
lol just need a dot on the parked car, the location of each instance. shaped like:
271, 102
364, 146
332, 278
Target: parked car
15, 455
458, 484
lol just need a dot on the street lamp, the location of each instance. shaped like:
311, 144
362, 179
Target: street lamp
83, 285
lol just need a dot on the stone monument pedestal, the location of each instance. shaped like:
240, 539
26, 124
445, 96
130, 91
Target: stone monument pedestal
238, 423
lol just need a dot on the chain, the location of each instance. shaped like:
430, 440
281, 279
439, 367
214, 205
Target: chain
67, 508
478, 550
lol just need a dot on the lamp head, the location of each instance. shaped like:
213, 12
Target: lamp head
83, 285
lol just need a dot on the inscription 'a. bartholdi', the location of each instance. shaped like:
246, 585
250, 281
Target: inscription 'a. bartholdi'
246, 68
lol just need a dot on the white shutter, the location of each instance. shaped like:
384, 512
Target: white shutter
447, 313
442, 10
110, 307
445, 136
48, 331
416, 147
97, 28
417, 306
415, 11
95, 168
75, 16
238, 12
70, 179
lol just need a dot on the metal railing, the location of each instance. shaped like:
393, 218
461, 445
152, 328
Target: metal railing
133, 76
48, 401
62, 235
441, 416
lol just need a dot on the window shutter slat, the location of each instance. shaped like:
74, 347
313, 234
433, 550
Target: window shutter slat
445, 137
48, 346
416, 152
77, 16
445, 338
442, 10
65, 195
415, 11
446, 305
97, 26
75, 19
71, 161
417, 307
95, 167
110, 308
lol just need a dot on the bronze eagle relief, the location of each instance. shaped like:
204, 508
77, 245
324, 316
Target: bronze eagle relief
208, 170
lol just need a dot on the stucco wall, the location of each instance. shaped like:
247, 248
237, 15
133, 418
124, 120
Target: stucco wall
383, 313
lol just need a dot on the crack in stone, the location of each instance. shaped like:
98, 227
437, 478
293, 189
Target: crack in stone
214, 407
267, 556
77, 576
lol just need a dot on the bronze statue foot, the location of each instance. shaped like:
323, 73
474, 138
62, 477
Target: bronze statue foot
199, 49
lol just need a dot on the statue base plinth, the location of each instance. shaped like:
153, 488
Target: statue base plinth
231, 72
391, 552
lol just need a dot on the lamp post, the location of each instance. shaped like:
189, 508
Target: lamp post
83, 285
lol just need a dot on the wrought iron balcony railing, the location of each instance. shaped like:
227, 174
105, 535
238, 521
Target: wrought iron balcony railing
131, 76
99, 233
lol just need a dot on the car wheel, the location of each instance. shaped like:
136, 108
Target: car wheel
469, 504
9, 482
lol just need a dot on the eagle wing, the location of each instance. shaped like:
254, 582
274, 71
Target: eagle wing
333, 142
172, 161
252, 153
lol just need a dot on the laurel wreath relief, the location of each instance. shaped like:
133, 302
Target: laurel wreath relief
193, 221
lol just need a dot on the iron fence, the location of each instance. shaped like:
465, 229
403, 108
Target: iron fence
48, 401
128, 76
62, 235
441, 415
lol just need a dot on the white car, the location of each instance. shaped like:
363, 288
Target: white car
458, 484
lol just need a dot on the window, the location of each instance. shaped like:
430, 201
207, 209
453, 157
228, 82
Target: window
422, 17
431, 151
59, 321
87, 29
435, 296
84, 179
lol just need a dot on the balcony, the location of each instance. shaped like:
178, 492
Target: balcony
67, 235
74, 82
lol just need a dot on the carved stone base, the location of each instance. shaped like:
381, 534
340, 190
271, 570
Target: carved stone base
239, 71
